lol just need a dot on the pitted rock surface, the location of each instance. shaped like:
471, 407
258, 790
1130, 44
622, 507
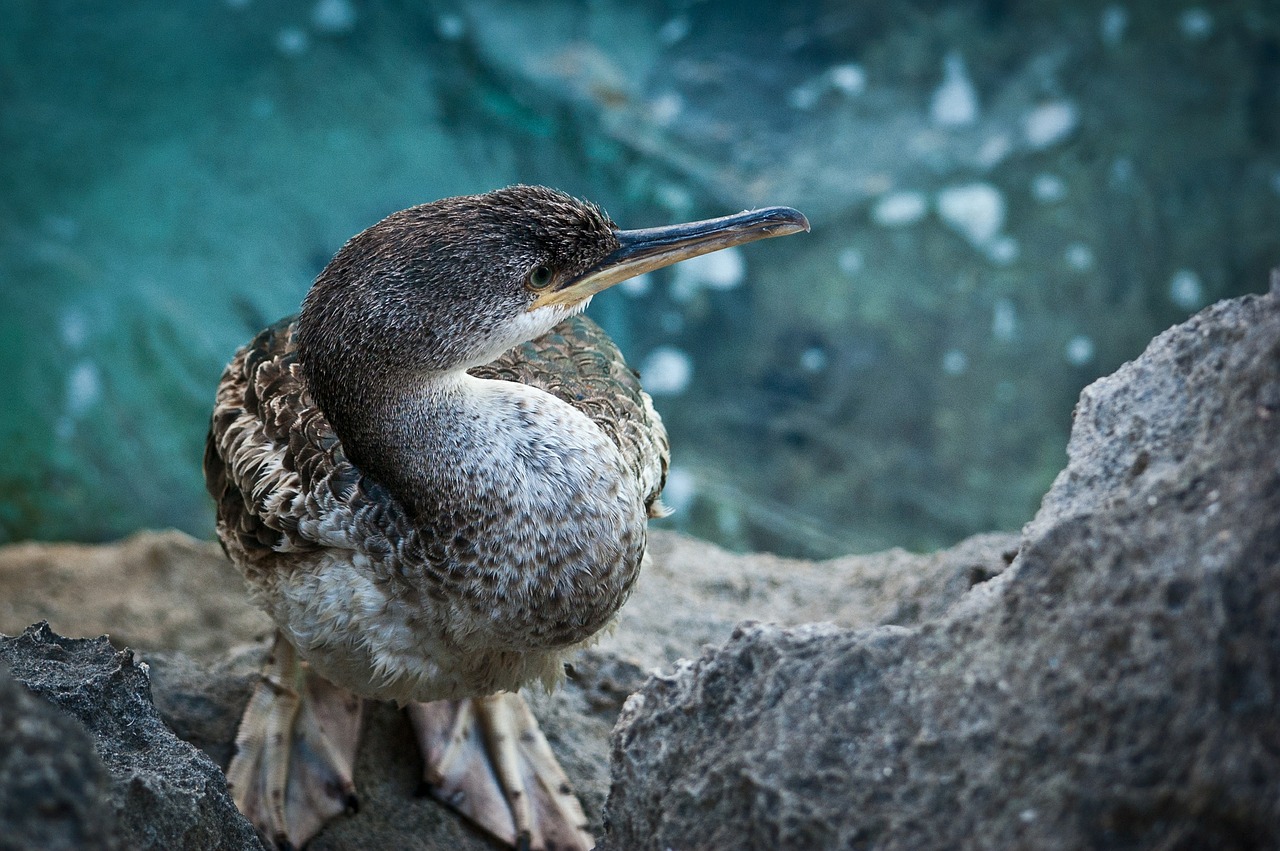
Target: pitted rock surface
1117, 687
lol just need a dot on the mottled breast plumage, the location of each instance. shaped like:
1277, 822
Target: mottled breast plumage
577, 362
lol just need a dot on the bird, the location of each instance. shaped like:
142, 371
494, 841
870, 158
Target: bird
436, 480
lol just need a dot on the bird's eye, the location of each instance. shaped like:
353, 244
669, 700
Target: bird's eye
539, 277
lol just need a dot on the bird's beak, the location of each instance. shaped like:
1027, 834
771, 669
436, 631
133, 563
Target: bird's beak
644, 250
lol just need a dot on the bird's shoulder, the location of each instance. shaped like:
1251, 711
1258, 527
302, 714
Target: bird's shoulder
577, 362
277, 470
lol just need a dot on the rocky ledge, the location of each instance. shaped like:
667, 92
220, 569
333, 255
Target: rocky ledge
1110, 678
1117, 687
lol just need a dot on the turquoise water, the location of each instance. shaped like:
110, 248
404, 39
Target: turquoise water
1006, 204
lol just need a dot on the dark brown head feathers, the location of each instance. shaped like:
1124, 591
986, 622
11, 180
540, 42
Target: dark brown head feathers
435, 287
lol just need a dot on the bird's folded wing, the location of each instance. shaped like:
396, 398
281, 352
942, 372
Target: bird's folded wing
277, 470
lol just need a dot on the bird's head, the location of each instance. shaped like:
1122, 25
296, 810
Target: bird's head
455, 283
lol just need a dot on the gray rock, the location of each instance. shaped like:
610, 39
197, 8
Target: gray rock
202, 700
163, 793
1118, 686
53, 787
181, 599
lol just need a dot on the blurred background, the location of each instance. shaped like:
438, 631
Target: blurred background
1008, 200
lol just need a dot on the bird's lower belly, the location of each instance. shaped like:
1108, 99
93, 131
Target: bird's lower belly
382, 675
379, 642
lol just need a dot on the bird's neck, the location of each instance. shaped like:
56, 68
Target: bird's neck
450, 439
424, 439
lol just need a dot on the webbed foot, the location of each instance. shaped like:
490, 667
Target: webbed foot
295, 751
487, 758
